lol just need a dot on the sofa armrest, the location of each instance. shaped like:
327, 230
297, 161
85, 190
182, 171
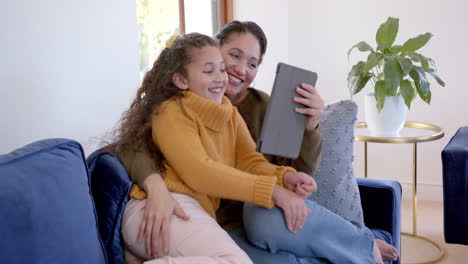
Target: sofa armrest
455, 186
381, 204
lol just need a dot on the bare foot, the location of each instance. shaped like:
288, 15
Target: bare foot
377, 254
387, 251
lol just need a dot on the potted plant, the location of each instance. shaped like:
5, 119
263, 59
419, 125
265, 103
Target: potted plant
397, 72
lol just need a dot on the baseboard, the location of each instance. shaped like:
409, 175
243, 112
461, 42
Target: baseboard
425, 192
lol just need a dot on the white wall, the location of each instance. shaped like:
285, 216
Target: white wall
272, 16
67, 69
319, 34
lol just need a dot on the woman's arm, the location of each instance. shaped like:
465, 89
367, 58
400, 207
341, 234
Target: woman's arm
138, 164
309, 159
159, 207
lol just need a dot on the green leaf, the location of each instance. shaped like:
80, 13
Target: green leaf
381, 48
405, 64
437, 78
365, 77
391, 92
380, 94
421, 83
428, 64
416, 43
407, 91
425, 65
395, 49
392, 74
387, 32
432, 64
357, 68
361, 46
372, 60
380, 76
416, 57
354, 77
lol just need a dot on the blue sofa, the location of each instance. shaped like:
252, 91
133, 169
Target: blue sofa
56, 210
47, 213
455, 187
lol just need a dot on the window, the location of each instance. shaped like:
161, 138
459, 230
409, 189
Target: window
159, 19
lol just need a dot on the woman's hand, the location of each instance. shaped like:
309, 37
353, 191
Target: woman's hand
159, 208
300, 183
313, 105
294, 208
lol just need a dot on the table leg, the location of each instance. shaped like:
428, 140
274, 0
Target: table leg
365, 159
415, 188
414, 235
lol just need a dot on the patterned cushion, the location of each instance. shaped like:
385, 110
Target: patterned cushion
337, 186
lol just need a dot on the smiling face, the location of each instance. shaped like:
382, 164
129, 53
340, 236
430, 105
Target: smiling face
206, 75
241, 53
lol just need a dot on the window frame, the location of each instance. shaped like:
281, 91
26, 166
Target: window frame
225, 12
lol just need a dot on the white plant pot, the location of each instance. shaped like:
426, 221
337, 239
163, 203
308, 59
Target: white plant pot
390, 120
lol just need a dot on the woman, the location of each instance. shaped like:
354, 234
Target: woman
243, 45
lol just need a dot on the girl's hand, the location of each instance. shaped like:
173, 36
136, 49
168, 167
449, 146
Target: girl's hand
159, 208
313, 105
294, 208
300, 183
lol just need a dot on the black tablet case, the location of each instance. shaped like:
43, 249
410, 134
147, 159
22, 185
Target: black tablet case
283, 128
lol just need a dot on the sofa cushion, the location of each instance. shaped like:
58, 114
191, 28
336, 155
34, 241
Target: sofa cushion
337, 187
110, 187
47, 214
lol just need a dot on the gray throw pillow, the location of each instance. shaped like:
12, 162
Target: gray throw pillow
337, 186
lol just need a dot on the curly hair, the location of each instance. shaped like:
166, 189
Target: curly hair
135, 127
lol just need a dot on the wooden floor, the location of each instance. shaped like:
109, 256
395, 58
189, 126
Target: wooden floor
430, 225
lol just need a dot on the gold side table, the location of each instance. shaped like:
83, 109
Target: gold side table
412, 132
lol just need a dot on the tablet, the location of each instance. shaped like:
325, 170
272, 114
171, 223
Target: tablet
283, 128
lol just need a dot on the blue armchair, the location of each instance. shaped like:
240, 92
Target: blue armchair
381, 200
455, 187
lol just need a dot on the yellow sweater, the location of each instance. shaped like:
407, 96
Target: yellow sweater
210, 154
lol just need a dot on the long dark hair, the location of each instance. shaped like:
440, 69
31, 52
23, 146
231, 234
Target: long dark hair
134, 132
236, 26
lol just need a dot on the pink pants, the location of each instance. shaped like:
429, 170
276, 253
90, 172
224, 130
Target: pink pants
198, 240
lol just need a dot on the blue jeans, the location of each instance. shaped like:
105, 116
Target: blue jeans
324, 235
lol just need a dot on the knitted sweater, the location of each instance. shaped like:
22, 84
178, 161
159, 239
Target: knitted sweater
209, 153
253, 108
